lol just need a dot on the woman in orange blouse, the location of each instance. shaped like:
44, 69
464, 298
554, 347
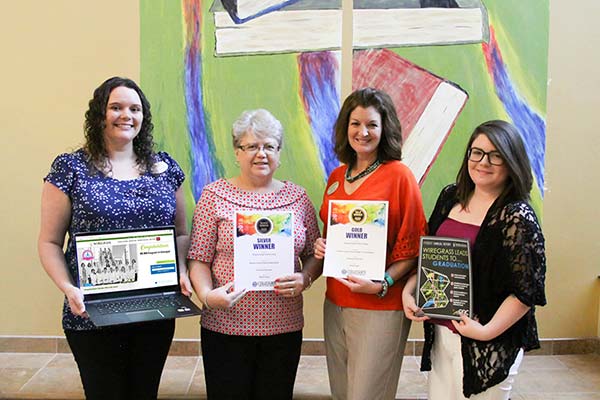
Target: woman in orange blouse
365, 327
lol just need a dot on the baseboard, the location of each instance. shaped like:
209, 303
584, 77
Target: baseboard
310, 347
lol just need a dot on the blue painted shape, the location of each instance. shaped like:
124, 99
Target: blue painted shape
319, 93
529, 123
231, 7
206, 167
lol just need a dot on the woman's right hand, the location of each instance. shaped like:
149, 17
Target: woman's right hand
320, 248
75, 299
223, 297
411, 310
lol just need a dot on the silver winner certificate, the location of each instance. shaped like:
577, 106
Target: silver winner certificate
263, 248
356, 239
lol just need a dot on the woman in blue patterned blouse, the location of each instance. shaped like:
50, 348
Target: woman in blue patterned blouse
116, 181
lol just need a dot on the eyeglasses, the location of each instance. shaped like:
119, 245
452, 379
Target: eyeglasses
254, 148
476, 154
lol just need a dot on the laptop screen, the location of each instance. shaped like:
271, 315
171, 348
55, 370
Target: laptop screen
111, 262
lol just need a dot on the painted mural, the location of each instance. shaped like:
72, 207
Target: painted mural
448, 65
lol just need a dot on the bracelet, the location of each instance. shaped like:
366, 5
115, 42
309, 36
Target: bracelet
205, 302
389, 279
384, 289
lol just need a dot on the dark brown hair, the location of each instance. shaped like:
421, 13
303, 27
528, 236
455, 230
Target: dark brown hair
390, 145
508, 142
95, 117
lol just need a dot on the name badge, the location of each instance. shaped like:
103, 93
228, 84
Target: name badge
333, 187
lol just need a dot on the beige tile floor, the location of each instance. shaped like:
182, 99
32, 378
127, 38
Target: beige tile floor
54, 376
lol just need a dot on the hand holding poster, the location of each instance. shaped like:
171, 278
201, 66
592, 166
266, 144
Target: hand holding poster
263, 248
444, 277
356, 239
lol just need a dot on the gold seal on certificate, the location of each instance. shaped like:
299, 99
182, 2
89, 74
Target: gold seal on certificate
356, 239
263, 245
444, 277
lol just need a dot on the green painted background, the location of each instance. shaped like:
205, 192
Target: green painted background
234, 84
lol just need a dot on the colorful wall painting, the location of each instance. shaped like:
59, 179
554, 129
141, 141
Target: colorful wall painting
241, 11
426, 104
197, 93
317, 25
396, 23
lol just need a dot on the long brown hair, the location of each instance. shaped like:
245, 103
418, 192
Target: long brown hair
508, 142
390, 144
95, 117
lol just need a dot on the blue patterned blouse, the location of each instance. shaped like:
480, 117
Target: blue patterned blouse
100, 203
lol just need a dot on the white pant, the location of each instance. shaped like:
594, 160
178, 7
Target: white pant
446, 375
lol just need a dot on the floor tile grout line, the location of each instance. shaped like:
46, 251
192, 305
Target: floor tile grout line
37, 372
562, 363
189, 386
568, 366
575, 371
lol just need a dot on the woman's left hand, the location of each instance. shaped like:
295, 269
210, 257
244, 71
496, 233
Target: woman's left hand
470, 328
360, 285
290, 285
185, 284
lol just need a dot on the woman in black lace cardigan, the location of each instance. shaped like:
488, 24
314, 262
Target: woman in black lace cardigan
478, 358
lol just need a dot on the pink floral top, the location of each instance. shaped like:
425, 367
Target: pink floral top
258, 313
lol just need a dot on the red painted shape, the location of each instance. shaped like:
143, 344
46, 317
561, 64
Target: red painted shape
491, 50
410, 86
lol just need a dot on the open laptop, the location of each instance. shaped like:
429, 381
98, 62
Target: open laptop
131, 276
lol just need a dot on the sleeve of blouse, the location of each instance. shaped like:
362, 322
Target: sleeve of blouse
311, 225
62, 173
176, 175
325, 203
524, 242
440, 208
203, 238
413, 223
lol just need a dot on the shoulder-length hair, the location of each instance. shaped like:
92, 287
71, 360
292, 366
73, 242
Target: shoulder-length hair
508, 142
95, 123
390, 144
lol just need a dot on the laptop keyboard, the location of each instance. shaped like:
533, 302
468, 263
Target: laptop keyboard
147, 303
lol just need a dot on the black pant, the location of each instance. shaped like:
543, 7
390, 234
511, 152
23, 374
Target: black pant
250, 367
124, 361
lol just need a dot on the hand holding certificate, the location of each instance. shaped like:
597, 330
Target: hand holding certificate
356, 239
263, 248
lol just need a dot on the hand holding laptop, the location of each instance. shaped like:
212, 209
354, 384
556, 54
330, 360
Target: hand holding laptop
186, 285
129, 276
75, 298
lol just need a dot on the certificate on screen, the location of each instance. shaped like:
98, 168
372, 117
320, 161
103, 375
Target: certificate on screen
263, 248
356, 239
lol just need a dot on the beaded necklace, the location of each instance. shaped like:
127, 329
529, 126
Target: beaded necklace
362, 174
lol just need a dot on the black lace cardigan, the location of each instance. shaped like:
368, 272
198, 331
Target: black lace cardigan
508, 259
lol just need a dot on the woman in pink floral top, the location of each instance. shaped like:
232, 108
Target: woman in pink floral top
251, 339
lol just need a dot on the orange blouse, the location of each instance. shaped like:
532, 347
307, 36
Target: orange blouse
394, 182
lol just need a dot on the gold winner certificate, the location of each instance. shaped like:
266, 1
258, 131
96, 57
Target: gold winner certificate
263, 245
356, 239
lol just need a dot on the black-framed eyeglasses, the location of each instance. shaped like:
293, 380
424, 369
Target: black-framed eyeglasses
254, 148
476, 154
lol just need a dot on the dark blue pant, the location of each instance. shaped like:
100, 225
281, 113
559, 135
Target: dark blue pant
124, 361
250, 367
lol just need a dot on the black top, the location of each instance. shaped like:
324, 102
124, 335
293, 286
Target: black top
508, 259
